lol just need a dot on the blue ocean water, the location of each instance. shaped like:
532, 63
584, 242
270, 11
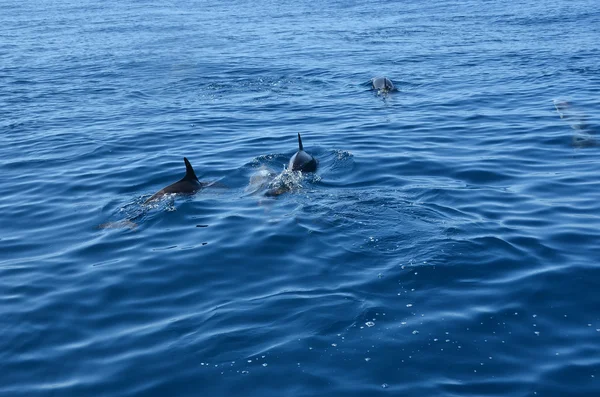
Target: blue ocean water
448, 244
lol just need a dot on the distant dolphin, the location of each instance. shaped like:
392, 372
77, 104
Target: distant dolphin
302, 161
585, 135
382, 84
189, 184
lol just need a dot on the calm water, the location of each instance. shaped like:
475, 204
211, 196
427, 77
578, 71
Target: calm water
447, 246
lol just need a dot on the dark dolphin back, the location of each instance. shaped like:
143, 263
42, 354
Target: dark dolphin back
302, 161
190, 175
382, 83
189, 184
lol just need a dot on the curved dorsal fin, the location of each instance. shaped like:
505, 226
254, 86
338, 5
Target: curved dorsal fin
189, 171
300, 143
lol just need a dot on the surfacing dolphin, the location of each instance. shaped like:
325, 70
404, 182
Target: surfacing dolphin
302, 161
382, 84
189, 184
585, 135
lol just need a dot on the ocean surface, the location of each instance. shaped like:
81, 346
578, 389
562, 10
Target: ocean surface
448, 244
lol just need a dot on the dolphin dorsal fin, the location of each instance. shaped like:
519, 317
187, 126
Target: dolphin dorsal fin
300, 147
189, 171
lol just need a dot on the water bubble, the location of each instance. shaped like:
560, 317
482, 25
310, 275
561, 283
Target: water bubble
369, 323
265, 364
409, 305
245, 372
367, 359
415, 332
385, 385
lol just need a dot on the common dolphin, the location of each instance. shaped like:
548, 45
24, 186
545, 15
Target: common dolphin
302, 161
382, 84
189, 184
260, 180
585, 135
267, 181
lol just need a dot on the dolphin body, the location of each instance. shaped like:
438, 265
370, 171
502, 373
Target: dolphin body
189, 184
585, 135
302, 161
286, 181
382, 84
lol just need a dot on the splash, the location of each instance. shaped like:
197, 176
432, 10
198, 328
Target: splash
287, 181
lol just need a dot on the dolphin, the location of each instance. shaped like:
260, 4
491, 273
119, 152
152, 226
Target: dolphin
260, 179
189, 184
585, 135
302, 161
382, 84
